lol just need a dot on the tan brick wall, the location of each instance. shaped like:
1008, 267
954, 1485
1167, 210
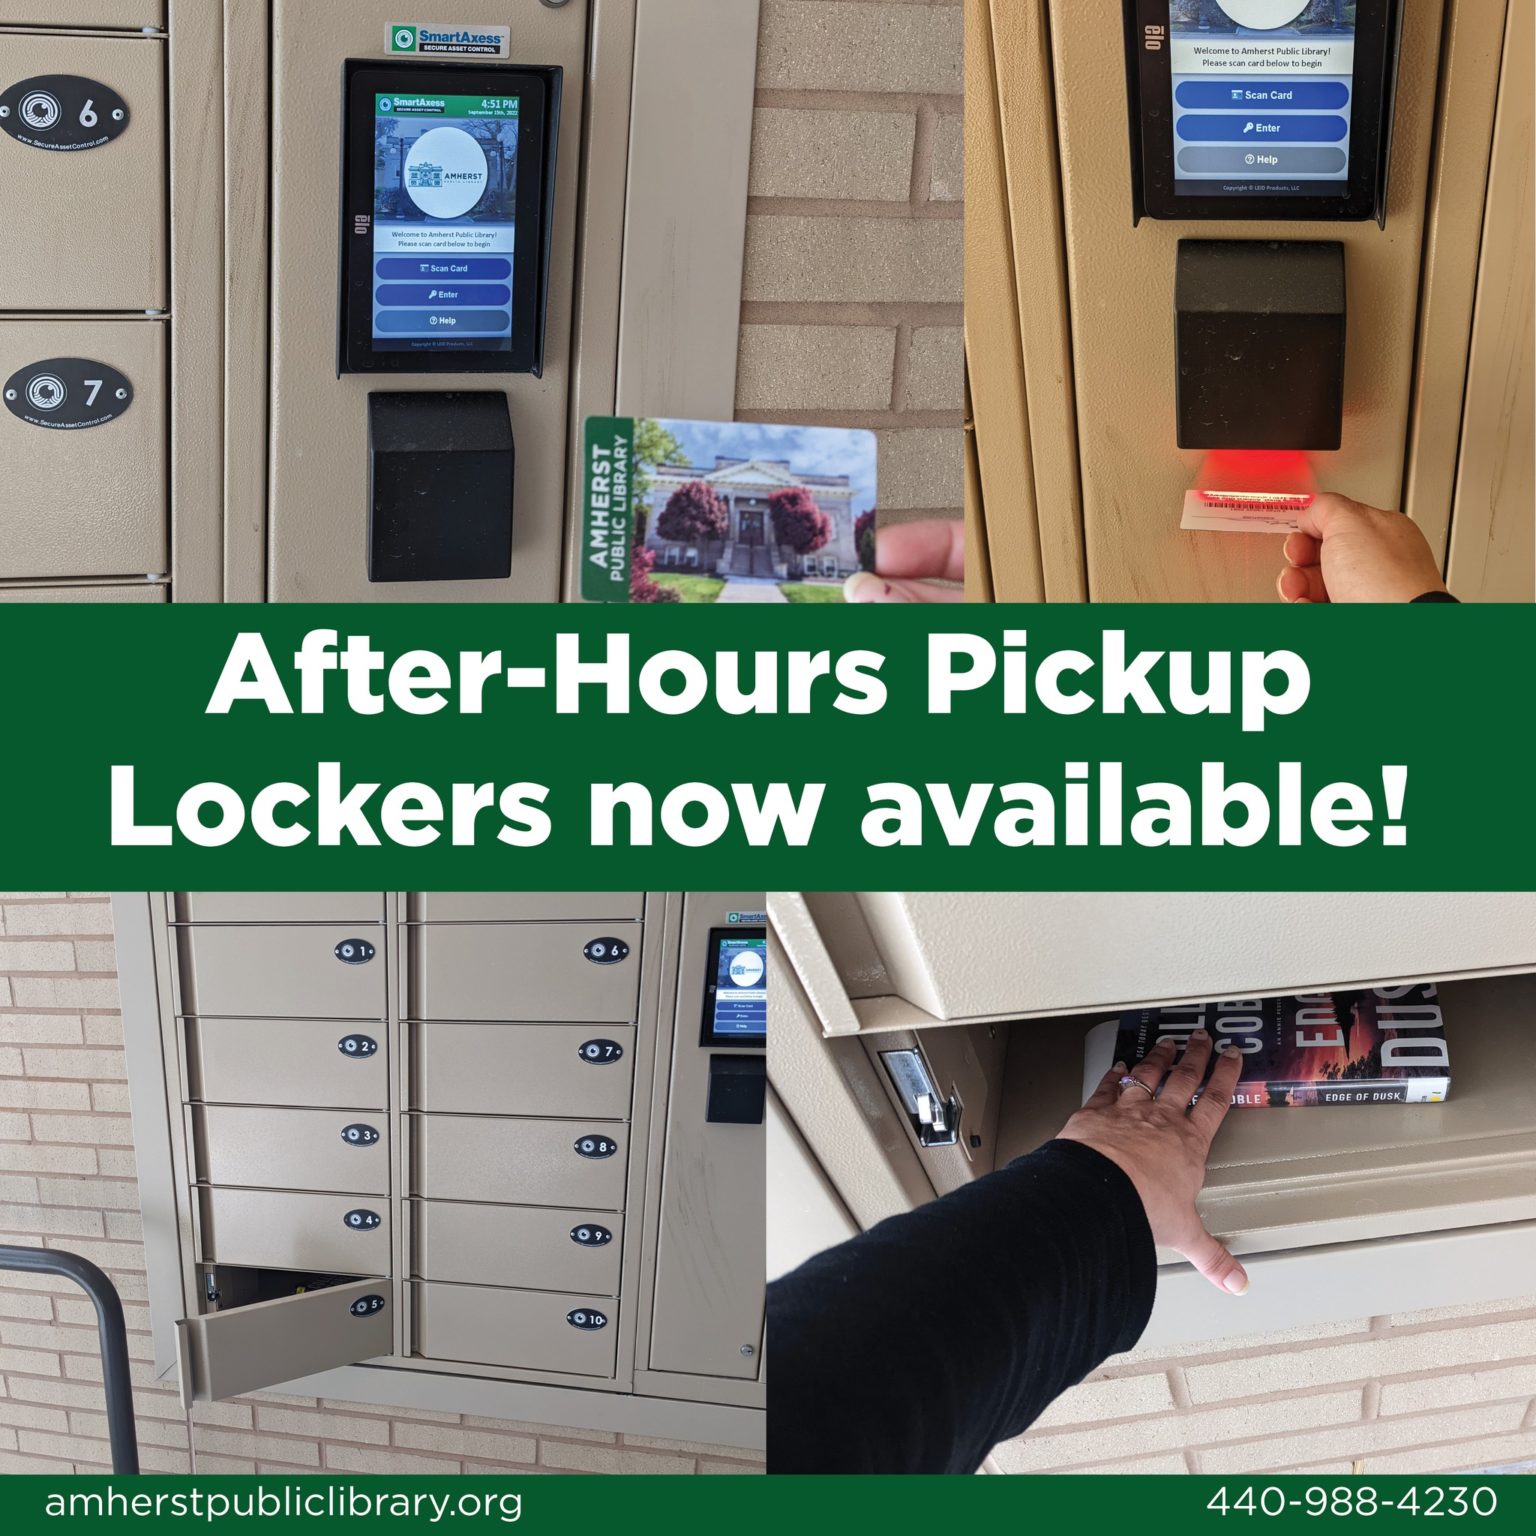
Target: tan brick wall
1448, 1390
853, 290
67, 1181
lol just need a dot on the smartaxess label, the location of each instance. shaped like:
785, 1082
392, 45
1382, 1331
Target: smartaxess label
1263, 92
444, 222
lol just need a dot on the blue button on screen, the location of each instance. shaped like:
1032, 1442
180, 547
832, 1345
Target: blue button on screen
1267, 95
432, 269
1216, 128
445, 295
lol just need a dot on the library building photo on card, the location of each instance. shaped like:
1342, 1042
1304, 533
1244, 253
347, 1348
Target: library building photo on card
1191, 1182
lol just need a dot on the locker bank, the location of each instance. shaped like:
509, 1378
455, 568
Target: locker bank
498, 1154
299, 304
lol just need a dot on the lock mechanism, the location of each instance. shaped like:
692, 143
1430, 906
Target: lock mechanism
935, 1119
355, 951
605, 951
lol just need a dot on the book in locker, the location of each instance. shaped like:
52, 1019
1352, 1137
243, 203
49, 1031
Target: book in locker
1380, 1046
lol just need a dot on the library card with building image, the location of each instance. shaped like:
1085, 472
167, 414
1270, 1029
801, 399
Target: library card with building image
724, 512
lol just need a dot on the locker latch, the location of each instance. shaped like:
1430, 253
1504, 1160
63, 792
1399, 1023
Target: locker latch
935, 1119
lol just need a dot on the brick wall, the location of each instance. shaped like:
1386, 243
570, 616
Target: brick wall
67, 1181
853, 290
1448, 1390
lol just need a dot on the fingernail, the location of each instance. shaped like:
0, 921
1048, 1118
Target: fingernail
861, 587
1236, 1282
1200, 1034
1119, 1067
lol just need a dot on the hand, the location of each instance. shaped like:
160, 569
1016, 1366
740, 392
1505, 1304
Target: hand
934, 548
1347, 552
1161, 1145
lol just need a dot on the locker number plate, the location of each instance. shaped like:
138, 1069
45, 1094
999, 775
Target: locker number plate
366, 1306
355, 951
599, 1052
62, 112
67, 393
605, 951
359, 1135
357, 1045
596, 1146
362, 1221
586, 1317
590, 1235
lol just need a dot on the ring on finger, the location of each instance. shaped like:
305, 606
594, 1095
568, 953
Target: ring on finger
1135, 1082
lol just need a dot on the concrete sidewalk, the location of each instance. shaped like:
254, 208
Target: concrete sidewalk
751, 589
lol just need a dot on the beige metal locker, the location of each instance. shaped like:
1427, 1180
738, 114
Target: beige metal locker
94, 235
131, 14
519, 1162
533, 971
321, 1149
281, 1229
522, 1069
516, 1245
523, 906
293, 972
91, 501
707, 1313
299, 1062
953, 955
532, 1330
280, 907
270, 1341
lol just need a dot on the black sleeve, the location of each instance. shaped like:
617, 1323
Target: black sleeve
920, 1344
1436, 597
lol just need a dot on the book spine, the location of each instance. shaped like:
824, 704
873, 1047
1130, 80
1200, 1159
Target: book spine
1297, 1094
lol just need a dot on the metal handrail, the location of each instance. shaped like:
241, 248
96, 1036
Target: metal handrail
113, 1332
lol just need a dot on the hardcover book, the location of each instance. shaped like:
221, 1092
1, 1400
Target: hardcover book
1385, 1046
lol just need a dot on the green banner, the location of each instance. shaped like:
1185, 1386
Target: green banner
874, 748
1154, 1505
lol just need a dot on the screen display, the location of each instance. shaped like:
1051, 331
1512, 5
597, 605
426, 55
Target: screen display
737, 1002
1263, 96
444, 221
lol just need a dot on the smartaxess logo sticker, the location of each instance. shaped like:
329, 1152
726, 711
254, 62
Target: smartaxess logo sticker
445, 173
421, 37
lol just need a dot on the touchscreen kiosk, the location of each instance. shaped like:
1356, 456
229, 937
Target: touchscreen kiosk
447, 185
1261, 109
736, 988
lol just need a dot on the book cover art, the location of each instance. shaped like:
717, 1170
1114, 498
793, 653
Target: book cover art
1380, 1046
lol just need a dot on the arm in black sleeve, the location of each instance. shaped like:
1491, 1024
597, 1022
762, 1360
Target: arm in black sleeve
920, 1344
